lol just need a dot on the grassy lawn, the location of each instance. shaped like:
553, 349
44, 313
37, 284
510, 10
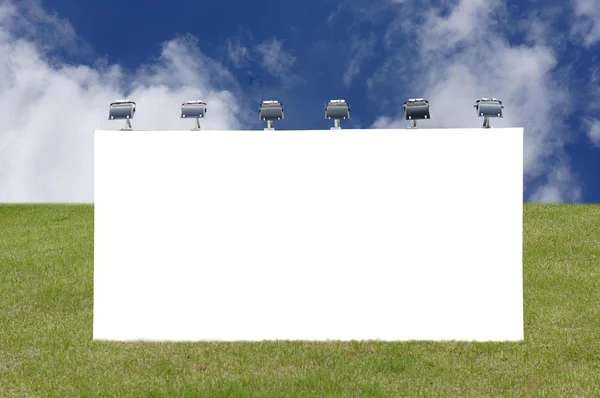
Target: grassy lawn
46, 347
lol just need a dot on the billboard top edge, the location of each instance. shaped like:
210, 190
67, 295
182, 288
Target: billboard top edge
341, 131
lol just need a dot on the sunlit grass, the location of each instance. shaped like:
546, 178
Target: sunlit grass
46, 347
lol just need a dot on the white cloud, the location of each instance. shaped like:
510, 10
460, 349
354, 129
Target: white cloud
27, 19
587, 22
361, 50
559, 187
48, 110
594, 132
236, 52
277, 61
461, 23
462, 56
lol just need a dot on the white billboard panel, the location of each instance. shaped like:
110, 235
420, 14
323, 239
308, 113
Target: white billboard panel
309, 235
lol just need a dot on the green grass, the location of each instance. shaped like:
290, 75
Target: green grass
46, 347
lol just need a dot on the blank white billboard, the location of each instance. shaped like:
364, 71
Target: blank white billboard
308, 235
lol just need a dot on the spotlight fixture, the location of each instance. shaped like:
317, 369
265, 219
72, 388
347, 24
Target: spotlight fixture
487, 108
337, 110
122, 110
416, 109
194, 109
270, 111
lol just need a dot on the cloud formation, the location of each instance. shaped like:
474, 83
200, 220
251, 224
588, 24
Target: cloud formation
454, 62
361, 49
436, 49
275, 60
237, 53
559, 187
594, 132
50, 109
587, 21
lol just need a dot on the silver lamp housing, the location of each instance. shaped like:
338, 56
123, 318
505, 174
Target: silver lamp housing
337, 110
488, 108
416, 109
122, 110
269, 111
194, 109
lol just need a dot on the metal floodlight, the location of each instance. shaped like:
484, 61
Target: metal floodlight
122, 109
194, 109
270, 111
416, 109
337, 110
487, 108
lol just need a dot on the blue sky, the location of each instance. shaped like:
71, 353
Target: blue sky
65, 60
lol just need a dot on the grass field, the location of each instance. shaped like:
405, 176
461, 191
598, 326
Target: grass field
46, 347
